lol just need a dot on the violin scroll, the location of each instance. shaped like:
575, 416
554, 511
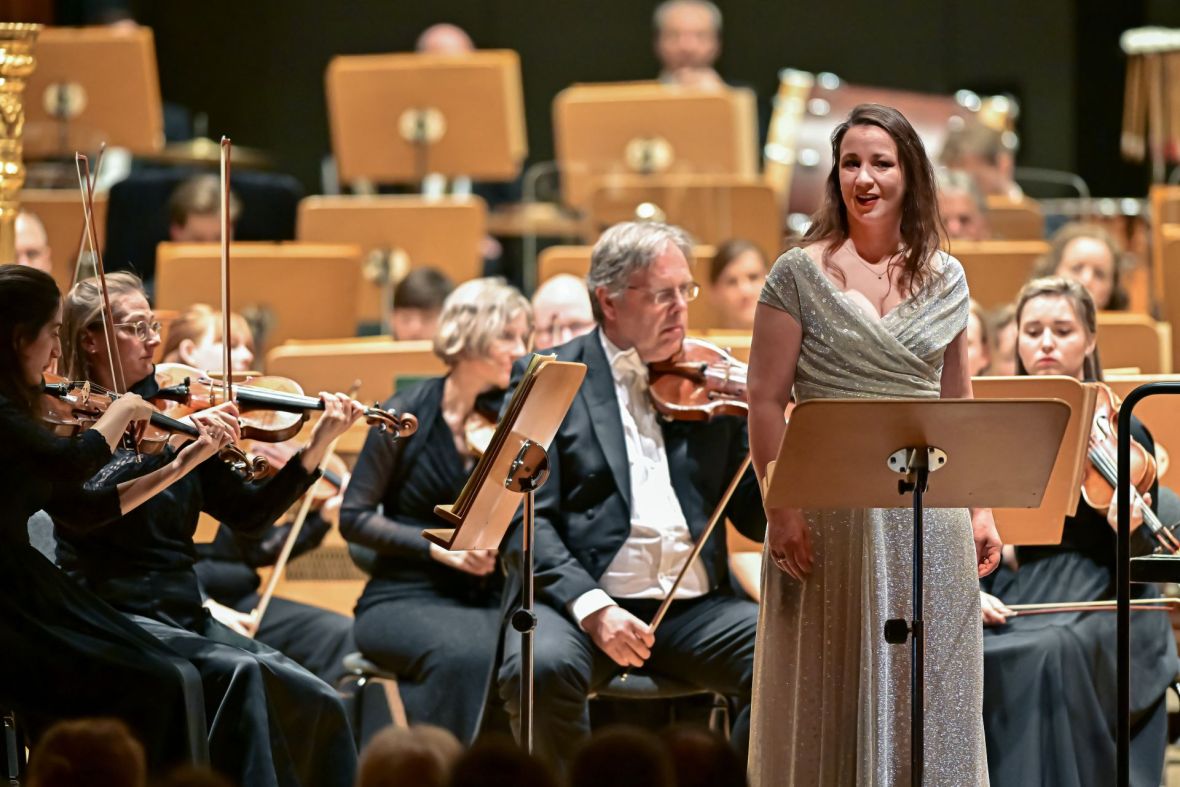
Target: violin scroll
391, 422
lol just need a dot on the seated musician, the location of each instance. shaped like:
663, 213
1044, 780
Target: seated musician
417, 301
978, 347
1090, 254
688, 42
626, 496
561, 310
961, 205
737, 273
988, 155
194, 210
32, 242
430, 615
444, 39
316, 638
1049, 679
271, 722
1001, 333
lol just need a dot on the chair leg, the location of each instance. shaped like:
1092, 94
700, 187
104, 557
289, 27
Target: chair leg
13, 748
719, 716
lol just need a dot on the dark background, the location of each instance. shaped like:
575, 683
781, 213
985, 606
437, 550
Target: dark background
256, 68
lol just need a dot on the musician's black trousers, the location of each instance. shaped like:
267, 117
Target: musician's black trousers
706, 642
317, 639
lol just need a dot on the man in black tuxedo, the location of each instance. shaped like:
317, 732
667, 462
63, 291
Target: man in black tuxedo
628, 493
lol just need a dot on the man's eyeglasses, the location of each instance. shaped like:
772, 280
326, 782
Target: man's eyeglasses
141, 328
667, 296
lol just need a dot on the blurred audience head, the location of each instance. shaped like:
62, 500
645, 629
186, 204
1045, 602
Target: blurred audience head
194, 339
1002, 332
87, 753
702, 758
1088, 254
561, 308
422, 755
961, 205
622, 756
444, 39
978, 351
485, 326
737, 273
497, 761
417, 302
194, 210
687, 35
32, 242
986, 154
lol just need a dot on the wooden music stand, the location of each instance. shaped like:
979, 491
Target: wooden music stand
443, 233
60, 210
286, 290
575, 260
93, 85
514, 465
1044, 524
608, 130
997, 269
711, 208
850, 453
397, 118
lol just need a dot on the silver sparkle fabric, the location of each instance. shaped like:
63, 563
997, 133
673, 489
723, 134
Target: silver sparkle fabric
831, 698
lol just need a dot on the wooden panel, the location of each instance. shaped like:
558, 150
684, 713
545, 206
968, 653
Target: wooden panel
291, 290
335, 366
1127, 340
1169, 270
442, 233
575, 260
1015, 220
61, 213
996, 270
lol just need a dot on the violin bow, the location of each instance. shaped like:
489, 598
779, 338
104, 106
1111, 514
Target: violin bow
272, 583
226, 339
1107, 605
87, 208
108, 322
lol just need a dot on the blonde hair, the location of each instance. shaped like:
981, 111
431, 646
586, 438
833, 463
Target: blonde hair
475, 314
1083, 308
82, 310
201, 322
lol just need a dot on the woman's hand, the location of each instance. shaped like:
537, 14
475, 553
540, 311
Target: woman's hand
340, 412
993, 610
477, 562
215, 435
1112, 513
241, 622
789, 541
130, 408
987, 541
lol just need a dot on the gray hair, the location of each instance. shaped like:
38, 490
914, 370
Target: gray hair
474, 315
662, 10
626, 248
956, 181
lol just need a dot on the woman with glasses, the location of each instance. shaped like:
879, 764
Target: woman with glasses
429, 615
66, 652
867, 308
270, 721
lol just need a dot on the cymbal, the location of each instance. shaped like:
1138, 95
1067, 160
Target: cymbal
202, 150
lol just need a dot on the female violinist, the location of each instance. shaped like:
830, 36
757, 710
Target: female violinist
55, 632
270, 721
314, 637
430, 615
1050, 678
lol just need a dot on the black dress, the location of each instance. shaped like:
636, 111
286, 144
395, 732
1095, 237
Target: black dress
271, 722
316, 638
65, 652
1049, 691
436, 627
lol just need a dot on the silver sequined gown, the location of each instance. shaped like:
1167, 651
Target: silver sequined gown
831, 698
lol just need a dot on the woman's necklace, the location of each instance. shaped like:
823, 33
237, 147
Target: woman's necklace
869, 265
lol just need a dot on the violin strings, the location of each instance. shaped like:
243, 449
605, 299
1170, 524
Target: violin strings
1103, 461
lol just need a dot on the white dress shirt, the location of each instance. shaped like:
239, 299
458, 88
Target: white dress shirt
660, 541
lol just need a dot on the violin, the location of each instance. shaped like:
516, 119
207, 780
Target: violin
699, 382
1100, 479
272, 409
72, 407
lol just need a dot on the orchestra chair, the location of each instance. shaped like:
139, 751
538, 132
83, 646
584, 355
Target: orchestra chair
283, 290
1127, 339
60, 210
997, 269
1158, 415
1168, 251
1010, 219
711, 208
575, 260
1164, 201
443, 233
137, 220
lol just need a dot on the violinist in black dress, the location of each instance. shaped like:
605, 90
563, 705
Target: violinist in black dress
66, 653
430, 615
271, 722
1049, 679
